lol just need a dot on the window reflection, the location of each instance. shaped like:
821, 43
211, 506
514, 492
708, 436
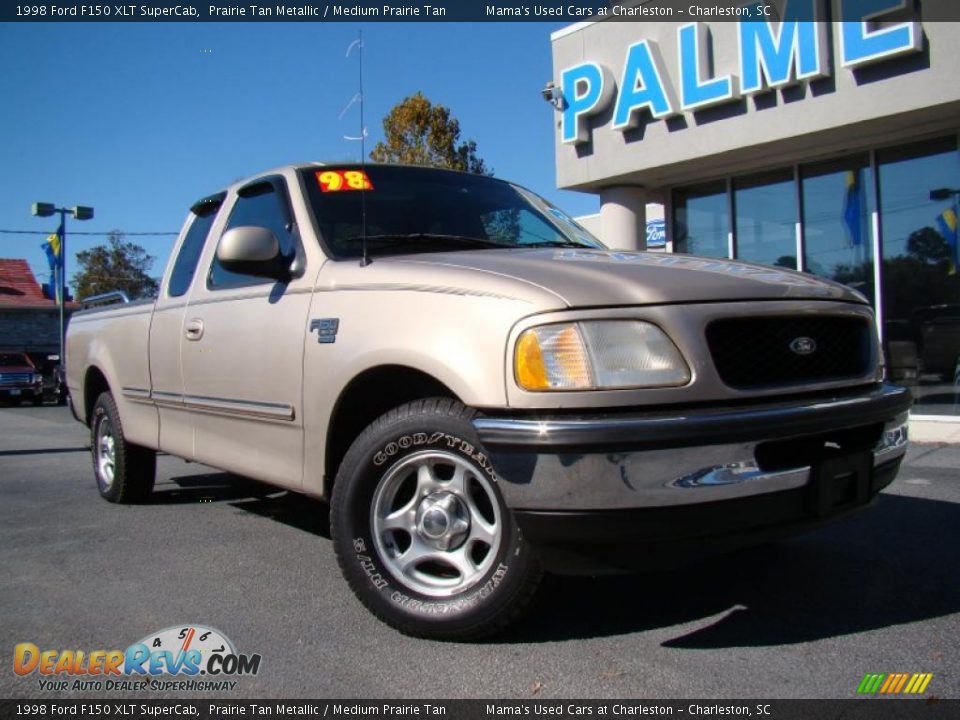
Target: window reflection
837, 207
702, 220
766, 218
921, 287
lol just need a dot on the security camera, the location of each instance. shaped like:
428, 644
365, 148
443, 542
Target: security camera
552, 95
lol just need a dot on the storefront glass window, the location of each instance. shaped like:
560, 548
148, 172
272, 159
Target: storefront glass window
838, 202
766, 218
919, 195
701, 220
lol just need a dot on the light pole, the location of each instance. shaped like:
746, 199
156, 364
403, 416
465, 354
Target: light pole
80, 212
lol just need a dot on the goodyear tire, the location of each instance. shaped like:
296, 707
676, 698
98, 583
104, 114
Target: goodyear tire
421, 531
125, 472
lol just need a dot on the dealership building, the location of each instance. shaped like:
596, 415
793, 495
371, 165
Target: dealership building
825, 147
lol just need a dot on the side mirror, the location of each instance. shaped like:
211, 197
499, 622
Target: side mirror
253, 251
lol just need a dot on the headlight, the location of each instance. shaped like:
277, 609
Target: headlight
598, 355
36, 378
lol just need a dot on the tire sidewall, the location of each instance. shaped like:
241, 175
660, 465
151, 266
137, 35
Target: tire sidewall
371, 459
103, 411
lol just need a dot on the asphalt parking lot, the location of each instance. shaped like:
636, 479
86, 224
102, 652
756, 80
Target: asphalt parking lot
807, 617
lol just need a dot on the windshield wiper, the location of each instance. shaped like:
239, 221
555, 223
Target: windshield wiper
560, 244
433, 237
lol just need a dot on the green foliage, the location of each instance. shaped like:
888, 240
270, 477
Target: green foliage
417, 132
118, 265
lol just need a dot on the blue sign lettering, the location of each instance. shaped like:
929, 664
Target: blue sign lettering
586, 89
860, 45
773, 57
770, 56
695, 90
642, 86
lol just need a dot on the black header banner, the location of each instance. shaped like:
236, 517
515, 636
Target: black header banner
571, 11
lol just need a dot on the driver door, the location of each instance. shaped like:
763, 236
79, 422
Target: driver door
242, 351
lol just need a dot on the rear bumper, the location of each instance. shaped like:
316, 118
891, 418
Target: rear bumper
603, 484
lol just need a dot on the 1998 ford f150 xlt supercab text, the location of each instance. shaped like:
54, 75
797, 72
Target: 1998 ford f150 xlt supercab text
482, 390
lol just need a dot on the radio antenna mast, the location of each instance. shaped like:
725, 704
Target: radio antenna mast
358, 43
363, 163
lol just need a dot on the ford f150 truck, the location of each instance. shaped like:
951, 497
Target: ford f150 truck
481, 390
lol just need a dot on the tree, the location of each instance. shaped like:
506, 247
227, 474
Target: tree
118, 265
417, 132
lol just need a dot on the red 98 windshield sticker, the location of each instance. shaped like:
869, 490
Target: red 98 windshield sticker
343, 180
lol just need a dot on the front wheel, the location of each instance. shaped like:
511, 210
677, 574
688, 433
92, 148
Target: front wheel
125, 472
421, 531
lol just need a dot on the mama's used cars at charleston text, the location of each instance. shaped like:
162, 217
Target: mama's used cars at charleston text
481, 389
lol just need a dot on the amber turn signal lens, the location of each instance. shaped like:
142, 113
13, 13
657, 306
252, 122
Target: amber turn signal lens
552, 357
531, 373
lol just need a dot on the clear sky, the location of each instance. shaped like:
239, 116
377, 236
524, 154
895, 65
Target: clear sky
141, 119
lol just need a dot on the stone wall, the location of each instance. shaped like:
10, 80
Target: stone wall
34, 330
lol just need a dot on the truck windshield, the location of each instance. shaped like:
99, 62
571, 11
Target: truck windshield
14, 360
413, 209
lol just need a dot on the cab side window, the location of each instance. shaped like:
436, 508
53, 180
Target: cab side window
262, 206
185, 266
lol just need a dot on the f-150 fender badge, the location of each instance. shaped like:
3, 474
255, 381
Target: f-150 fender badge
326, 329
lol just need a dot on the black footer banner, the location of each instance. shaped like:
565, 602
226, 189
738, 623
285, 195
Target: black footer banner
928, 708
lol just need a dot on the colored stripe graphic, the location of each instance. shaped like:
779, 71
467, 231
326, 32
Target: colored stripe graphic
902, 681
870, 683
891, 681
894, 683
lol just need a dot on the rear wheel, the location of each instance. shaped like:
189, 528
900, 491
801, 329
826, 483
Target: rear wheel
421, 531
125, 472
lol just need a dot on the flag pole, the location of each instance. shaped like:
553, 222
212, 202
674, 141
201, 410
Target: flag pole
61, 285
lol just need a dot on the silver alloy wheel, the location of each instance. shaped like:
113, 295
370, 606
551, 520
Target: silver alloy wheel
105, 448
436, 523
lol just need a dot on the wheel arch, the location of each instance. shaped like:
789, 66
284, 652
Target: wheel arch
94, 384
366, 397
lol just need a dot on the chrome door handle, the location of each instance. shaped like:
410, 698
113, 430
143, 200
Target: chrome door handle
194, 329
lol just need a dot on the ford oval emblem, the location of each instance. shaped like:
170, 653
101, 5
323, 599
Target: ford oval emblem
803, 345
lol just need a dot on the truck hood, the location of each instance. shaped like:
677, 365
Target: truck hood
587, 277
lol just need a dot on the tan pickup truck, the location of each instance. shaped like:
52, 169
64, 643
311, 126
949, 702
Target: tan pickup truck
481, 390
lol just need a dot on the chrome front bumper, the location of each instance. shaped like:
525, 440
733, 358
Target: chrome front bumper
667, 459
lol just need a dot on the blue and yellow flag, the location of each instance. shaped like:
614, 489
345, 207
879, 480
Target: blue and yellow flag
947, 225
54, 250
854, 208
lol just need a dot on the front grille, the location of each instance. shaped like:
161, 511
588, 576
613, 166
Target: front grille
752, 353
11, 379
